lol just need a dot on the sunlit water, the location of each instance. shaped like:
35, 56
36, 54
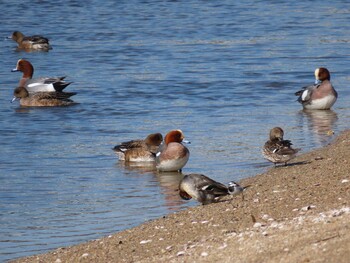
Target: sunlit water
224, 72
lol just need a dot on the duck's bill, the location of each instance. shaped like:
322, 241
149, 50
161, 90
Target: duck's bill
14, 70
184, 195
185, 141
13, 99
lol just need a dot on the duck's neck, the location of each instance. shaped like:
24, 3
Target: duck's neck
22, 82
28, 72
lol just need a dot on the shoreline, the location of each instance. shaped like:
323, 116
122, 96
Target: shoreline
297, 213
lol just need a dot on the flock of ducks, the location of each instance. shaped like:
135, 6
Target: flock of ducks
169, 154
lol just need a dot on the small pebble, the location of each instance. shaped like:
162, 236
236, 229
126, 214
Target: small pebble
223, 246
306, 208
344, 181
58, 260
265, 217
145, 241
84, 255
204, 254
180, 253
257, 224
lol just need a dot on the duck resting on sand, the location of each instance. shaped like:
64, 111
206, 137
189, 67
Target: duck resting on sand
206, 190
278, 150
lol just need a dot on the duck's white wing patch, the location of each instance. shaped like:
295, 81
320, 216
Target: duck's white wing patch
37, 87
305, 95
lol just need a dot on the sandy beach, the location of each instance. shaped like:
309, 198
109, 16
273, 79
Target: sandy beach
297, 213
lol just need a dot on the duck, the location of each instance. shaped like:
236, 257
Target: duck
321, 95
44, 84
139, 150
28, 43
172, 155
205, 190
42, 99
276, 149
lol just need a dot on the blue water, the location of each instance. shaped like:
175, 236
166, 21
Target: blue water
224, 72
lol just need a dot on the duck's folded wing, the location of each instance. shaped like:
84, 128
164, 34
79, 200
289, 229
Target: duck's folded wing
287, 151
305, 93
51, 80
53, 95
124, 146
37, 39
46, 84
210, 186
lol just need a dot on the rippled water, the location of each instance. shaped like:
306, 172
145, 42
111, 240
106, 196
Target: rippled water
223, 72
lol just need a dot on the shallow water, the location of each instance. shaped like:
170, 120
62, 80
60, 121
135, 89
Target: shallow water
224, 73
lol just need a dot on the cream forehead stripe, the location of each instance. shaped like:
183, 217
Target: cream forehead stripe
18, 63
316, 72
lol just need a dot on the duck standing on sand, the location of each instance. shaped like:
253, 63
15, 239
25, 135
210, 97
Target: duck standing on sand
42, 99
45, 84
28, 43
139, 150
278, 150
206, 190
172, 155
321, 95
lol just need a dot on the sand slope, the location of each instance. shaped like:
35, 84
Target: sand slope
299, 213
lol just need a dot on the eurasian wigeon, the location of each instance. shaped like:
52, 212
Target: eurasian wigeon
321, 95
172, 155
206, 190
278, 150
42, 99
36, 42
45, 84
139, 150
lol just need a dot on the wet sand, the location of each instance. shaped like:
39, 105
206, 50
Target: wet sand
297, 213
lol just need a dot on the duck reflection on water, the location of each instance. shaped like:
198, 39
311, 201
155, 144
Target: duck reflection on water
321, 122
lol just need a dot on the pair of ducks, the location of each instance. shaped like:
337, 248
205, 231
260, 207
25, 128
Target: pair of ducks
172, 156
40, 92
206, 190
